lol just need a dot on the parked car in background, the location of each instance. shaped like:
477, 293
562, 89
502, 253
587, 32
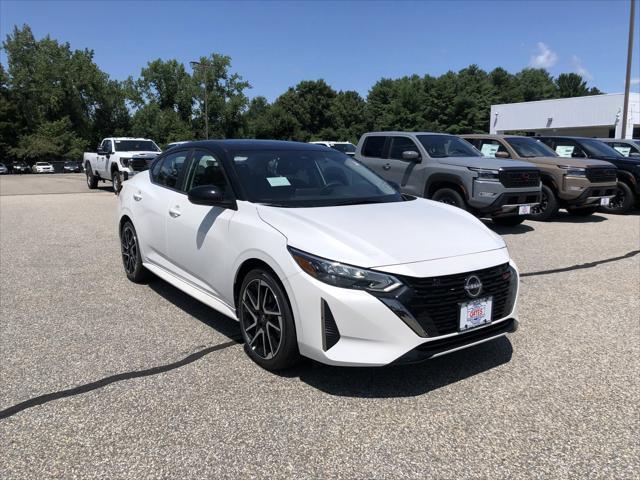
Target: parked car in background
42, 167
580, 186
627, 147
344, 147
3, 169
118, 159
628, 172
315, 255
450, 170
20, 167
71, 167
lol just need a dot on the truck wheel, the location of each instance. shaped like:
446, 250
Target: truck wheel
131, 256
510, 221
548, 206
116, 178
582, 212
92, 180
450, 197
622, 202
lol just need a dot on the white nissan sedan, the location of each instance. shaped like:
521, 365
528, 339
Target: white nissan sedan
315, 255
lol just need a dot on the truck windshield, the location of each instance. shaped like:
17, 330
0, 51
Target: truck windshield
529, 148
136, 146
599, 149
443, 146
309, 178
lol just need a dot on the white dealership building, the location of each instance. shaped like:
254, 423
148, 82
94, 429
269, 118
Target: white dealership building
591, 116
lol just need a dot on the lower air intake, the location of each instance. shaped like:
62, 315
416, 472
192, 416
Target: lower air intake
330, 332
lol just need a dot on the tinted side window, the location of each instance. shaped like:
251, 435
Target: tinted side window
167, 171
206, 170
373, 146
401, 144
567, 148
106, 146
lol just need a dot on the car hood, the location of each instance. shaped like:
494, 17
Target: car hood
484, 162
375, 235
139, 154
572, 162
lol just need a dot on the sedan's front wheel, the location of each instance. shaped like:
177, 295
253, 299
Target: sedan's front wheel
266, 321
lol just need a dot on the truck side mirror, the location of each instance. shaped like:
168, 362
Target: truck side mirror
502, 155
411, 155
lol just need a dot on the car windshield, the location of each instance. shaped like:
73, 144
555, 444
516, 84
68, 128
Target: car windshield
443, 146
344, 147
529, 148
598, 148
136, 146
70, 163
42, 164
309, 178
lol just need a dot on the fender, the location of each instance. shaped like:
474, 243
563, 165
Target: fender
627, 177
445, 177
546, 178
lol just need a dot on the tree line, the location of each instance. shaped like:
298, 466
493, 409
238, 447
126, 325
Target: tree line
55, 102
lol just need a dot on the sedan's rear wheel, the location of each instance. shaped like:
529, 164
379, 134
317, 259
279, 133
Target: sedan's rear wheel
131, 256
266, 321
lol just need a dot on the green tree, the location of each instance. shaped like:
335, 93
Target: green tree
309, 102
535, 84
52, 141
573, 85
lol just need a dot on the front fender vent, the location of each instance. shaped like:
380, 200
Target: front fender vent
330, 332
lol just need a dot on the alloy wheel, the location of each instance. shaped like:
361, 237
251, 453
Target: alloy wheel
129, 246
617, 201
542, 206
262, 319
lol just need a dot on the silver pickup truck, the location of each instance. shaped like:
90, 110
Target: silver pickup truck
448, 169
118, 159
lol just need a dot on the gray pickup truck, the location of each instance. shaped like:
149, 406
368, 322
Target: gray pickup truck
447, 169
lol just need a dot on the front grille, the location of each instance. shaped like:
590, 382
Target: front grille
597, 175
140, 164
519, 178
435, 300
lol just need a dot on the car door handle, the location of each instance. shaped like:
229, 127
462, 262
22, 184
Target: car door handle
137, 197
386, 166
174, 212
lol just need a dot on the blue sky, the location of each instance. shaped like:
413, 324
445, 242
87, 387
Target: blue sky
351, 45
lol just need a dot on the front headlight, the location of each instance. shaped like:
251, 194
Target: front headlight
573, 171
344, 276
125, 162
486, 175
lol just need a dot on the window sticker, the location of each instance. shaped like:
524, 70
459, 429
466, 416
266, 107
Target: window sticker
278, 181
565, 150
623, 150
489, 149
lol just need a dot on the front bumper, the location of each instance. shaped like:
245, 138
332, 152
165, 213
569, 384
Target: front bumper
509, 202
346, 327
591, 196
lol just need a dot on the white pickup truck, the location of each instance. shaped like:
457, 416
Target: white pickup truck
118, 159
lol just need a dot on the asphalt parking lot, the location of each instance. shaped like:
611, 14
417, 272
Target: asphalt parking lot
102, 378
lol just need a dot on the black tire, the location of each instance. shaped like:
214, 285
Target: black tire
131, 257
116, 179
582, 212
510, 221
450, 197
92, 180
622, 202
261, 293
548, 206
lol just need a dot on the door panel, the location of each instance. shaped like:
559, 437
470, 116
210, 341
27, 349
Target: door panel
197, 235
400, 170
373, 154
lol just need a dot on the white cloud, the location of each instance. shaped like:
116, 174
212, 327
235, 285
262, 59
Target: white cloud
635, 81
579, 68
544, 57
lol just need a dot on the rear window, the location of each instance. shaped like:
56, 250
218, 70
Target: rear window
373, 146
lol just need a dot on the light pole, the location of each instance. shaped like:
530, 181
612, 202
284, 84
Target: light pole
204, 66
627, 83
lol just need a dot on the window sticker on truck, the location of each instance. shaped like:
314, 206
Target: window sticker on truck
623, 150
565, 150
489, 150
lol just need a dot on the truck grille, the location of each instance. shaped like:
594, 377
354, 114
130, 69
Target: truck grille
598, 175
140, 164
519, 178
435, 300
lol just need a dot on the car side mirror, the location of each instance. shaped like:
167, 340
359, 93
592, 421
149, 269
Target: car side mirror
502, 155
100, 151
411, 155
210, 196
